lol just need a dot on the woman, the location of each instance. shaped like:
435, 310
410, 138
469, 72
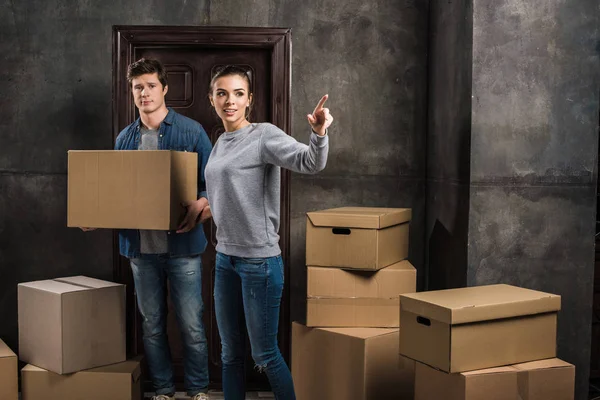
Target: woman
243, 182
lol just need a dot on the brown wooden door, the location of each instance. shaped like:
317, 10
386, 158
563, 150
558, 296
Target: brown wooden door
190, 56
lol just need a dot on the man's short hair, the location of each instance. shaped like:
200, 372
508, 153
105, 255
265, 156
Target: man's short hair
147, 66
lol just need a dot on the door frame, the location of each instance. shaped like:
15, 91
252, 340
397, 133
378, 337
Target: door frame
126, 38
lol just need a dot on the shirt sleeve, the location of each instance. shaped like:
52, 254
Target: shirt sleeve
203, 148
282, 150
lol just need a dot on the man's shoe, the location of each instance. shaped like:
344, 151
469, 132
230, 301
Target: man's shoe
200, 396
163, 397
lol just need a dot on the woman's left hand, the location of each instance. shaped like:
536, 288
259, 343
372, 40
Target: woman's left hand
320, 119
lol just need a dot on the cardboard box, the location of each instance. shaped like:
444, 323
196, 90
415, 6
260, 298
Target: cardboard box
117, 381
346, 298
70, 324
9, 373
551, 379
357, 237
130, 189
488, 384
473, 328
349, 364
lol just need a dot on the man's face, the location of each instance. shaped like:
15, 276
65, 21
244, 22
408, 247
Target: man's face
148, 93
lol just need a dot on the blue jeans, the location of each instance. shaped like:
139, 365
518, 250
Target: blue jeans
150, 275
247, 298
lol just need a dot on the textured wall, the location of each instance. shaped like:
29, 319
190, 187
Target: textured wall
533, 164
56, 74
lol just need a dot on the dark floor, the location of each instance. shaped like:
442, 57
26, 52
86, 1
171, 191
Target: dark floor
216, 395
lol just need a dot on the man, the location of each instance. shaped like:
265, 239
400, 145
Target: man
160, 256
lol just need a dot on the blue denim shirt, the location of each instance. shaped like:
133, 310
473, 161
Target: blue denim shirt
179, 133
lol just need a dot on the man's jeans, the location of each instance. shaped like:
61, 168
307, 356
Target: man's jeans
184, 274
247, 298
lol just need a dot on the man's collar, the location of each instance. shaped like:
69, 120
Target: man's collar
168, 119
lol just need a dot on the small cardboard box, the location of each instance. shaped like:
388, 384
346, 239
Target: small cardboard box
117, 381
347, 298
480, 327
487, 384
9, 373
70, 324
551, 379
130, 189
357, 237
349, 363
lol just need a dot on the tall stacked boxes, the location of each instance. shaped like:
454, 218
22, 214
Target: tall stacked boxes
69, 325
356, 269
461, 336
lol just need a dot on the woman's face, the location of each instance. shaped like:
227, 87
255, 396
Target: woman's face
230, 98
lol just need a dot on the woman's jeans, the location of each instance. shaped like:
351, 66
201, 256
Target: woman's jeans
247, 298
150, 274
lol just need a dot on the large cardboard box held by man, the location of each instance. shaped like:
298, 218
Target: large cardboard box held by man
480, 327
116, 382
347, 298
130, 189
9, 373
70, 324
357, 237
349, 364
551, 379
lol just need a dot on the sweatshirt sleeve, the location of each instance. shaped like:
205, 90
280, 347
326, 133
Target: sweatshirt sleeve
282, 150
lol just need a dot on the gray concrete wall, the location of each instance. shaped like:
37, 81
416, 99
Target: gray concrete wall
534, 145
56, 74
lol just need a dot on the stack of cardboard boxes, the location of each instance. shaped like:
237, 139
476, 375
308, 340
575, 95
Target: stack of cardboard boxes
72, 334
495, 342
72, 330
356, 268
485, 343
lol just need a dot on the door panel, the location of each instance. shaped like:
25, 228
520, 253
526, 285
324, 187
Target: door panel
190, 64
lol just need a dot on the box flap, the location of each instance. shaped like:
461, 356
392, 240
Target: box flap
53, 286
488, 371
84, 281
388, 282
479, 303
5, 351
69, 284
360, 217
543, 364
361, 333
32, 368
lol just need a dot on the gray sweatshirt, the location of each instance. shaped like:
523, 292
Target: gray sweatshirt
243, 185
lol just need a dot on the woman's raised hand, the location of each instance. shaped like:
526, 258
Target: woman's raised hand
320, 119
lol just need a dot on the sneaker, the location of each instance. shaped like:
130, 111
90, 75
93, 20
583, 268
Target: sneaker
200, 396
163, 397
